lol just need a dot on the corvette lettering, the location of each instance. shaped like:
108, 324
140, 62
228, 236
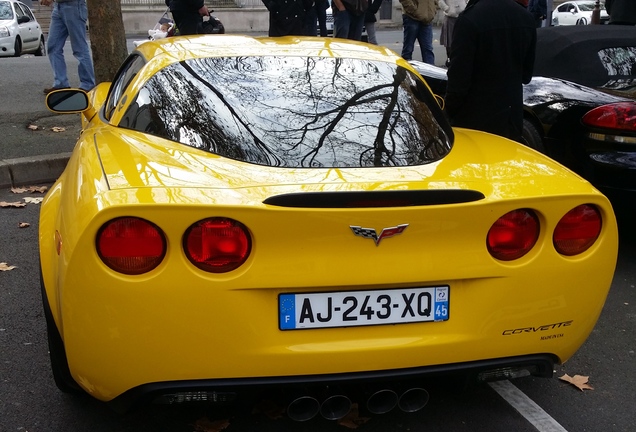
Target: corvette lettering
371, 233
541, 328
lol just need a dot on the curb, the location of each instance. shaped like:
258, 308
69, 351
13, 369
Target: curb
32, 170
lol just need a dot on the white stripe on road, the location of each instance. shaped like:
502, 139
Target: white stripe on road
526, 407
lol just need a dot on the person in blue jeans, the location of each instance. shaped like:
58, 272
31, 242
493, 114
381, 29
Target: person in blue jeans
68, 20
348, 18
417, 16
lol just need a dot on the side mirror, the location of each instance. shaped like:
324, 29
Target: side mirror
67, 101
23, 19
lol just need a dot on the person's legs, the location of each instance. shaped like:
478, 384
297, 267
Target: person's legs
410, 33
425, 39
55, 47
75, 15
310, 22
371, 33
341, 24
321, 14
187, 23
355, 26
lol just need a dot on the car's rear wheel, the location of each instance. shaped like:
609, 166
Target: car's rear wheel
531, 136
581, 21
17, 47
41, 48
59, 364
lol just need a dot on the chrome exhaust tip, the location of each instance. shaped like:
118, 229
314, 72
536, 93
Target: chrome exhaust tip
382, 401
335, 407
413, 399
303, 408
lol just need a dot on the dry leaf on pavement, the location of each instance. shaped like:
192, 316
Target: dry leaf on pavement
6, 267
353, 419
58, 129
24, 225
12, 204
206, 425
32, 127
270, 408
578, 381
33, 200
40, 189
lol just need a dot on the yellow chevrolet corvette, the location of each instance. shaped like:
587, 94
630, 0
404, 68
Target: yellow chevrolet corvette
242, 214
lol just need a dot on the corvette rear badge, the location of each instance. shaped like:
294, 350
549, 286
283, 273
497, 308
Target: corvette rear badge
370, 233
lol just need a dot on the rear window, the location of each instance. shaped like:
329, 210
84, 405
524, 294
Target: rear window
294, 111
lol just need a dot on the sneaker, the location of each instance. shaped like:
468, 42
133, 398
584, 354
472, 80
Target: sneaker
50, 89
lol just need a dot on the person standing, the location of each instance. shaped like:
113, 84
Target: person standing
188, 15
321, 13
451, 9
68, 20
370, 20
621, 12
348, 18
492, 56
417, 16
287, 17
539, 10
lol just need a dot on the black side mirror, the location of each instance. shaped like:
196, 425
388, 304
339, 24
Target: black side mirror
23, 19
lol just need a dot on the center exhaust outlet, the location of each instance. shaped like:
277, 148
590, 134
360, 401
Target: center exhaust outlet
413, 399
335, 407
303, 408
382, 401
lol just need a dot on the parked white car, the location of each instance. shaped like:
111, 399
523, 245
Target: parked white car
577, 13
20, 31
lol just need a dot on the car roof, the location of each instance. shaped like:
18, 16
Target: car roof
170, 50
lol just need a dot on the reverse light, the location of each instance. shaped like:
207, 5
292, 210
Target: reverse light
513, 235
217, 245
577, 230
131, 245
620, 116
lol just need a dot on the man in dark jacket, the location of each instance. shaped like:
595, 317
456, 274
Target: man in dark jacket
621, 12
492, 56
188, 15
287, 17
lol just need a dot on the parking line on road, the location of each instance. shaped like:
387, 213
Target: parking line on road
526, 407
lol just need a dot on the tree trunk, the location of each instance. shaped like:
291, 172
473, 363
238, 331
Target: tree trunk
107, 36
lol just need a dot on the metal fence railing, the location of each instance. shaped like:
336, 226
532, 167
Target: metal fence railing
214, 4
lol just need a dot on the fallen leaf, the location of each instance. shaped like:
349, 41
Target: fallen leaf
12, 204
24, 225
353, 419
579, 381
32, 189
58, 129
32, 127
6, 267
271, 409
206, 425
33, 200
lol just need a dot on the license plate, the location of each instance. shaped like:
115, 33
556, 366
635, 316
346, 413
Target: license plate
361, 308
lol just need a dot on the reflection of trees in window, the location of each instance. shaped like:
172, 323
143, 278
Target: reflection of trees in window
292, 111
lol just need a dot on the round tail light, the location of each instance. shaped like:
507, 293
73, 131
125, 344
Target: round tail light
131, 245
217, 245
577, 230
513, 235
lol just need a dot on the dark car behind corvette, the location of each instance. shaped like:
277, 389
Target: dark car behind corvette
590, 130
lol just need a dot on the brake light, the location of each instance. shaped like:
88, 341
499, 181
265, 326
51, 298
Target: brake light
577, 230
131, 245
217, 245
620, 115
513, 235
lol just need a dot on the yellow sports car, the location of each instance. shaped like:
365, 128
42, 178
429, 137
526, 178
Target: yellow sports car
243, 214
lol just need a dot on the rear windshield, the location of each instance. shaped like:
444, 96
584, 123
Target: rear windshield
294, 111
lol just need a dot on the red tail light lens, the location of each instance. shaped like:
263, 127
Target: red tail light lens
513, 235
131, 245
577, 230
217, 245
620, 115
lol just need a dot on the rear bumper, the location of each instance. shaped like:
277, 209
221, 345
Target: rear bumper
221, 390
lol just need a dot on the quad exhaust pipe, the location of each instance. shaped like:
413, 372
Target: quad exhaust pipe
335, 407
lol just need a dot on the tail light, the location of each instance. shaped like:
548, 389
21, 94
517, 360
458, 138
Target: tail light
217, 245
620, 115
513, 235
577, 230
131, 245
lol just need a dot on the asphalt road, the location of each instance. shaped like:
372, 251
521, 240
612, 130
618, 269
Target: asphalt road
30, 402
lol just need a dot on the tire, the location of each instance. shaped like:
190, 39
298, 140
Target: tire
17, 47
532, 137
581, 21
41, 51
59, 364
